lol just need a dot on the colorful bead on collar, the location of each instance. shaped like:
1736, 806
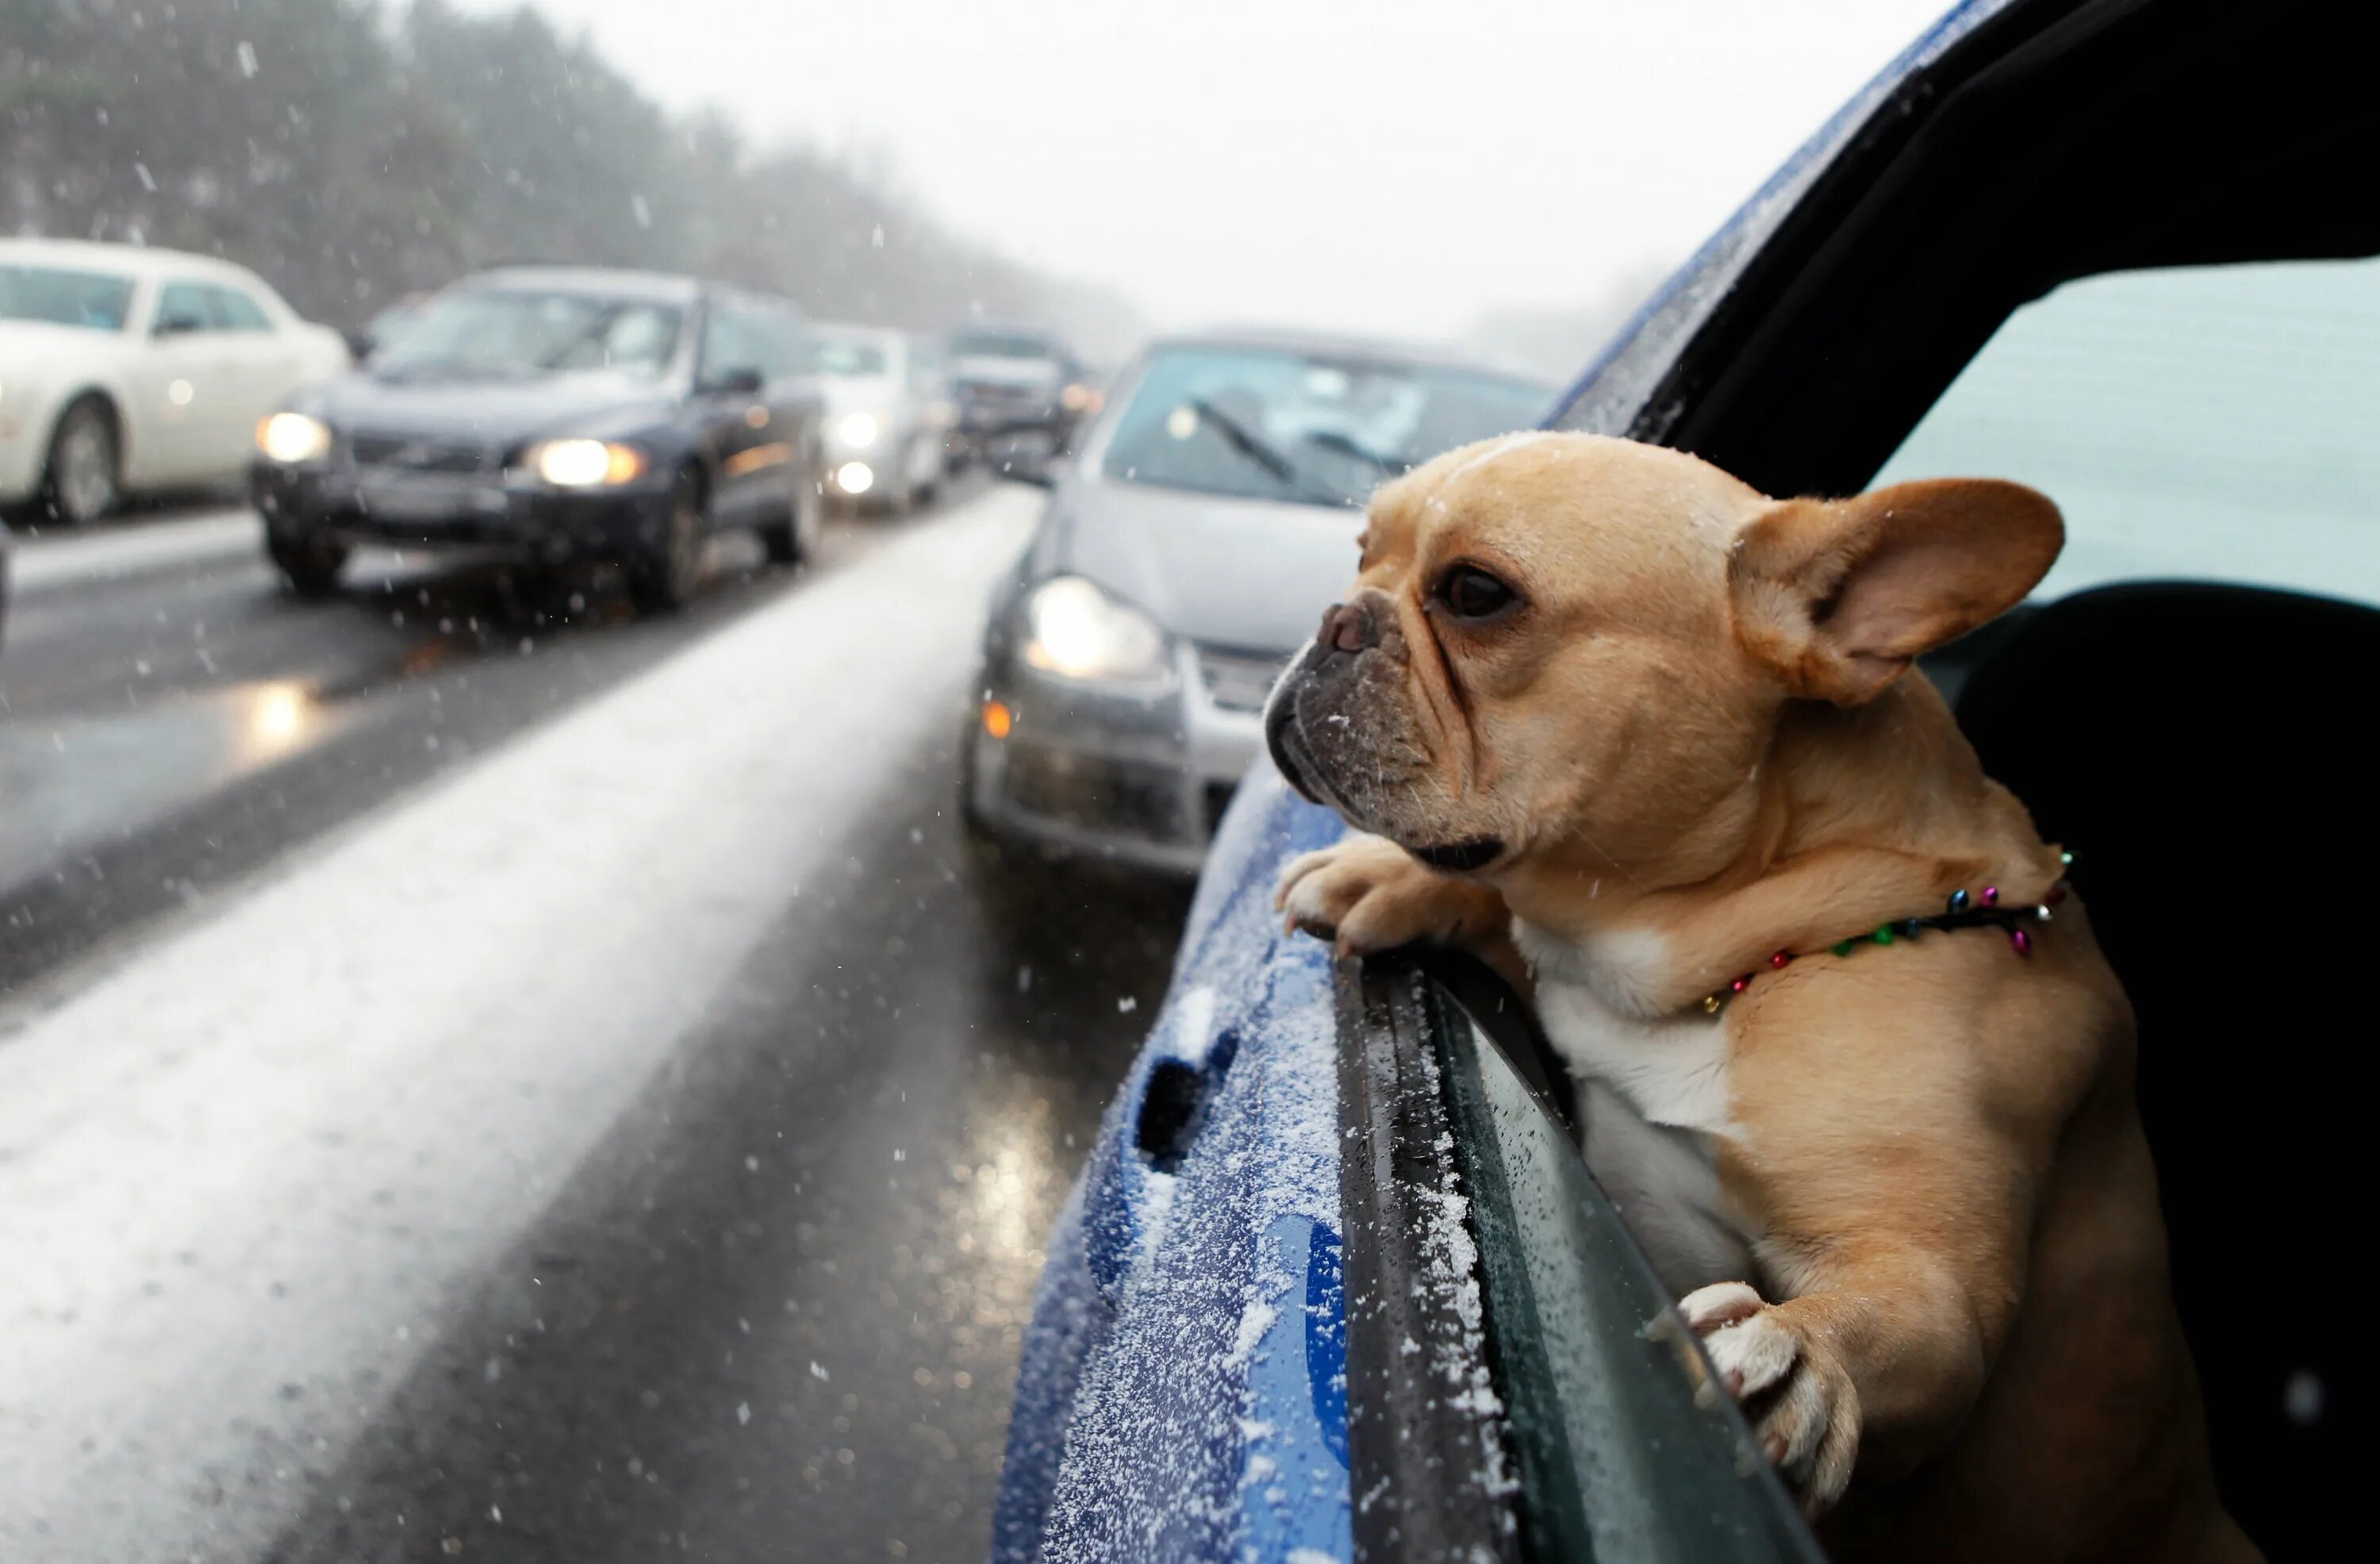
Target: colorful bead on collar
1966, 911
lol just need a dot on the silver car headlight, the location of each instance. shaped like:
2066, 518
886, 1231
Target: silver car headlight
1075, 629
857, 429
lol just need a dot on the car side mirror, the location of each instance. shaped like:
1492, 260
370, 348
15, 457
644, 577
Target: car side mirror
741, 381
176, 326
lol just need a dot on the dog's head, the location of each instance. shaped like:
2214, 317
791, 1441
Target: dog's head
1574, 647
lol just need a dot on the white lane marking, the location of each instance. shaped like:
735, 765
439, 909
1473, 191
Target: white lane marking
272, 1147
45, 564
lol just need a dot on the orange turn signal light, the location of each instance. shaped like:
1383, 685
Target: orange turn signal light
998, 719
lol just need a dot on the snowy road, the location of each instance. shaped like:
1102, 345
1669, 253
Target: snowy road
471, 1087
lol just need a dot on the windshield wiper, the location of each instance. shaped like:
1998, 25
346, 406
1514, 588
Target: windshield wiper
1387, 466
588, 330
1237, 435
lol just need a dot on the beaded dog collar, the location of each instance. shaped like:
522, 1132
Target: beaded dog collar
1964, 911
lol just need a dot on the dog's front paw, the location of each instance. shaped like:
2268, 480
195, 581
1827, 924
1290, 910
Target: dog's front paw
1366, 894
1793, 1387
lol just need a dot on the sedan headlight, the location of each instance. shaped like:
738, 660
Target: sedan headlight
857, 429
1076, 630
583, 464
292, 437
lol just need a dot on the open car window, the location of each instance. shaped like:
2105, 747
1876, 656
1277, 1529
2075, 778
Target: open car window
1600, 1440
2204, 422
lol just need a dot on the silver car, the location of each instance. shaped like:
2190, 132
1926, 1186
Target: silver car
1210, 516
888, 415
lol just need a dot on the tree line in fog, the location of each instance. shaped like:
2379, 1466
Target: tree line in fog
354, 153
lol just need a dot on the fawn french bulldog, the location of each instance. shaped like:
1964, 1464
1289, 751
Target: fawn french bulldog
1852, 1064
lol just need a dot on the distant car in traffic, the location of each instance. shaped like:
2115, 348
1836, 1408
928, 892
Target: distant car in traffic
1020, 393
888, 415
556, 415
1210, 518
123, 369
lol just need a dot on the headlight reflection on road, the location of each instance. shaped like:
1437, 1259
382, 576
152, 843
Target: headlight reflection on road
1011, 1189
279, 716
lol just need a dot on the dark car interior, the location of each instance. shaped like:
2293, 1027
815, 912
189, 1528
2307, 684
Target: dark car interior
2206, 749
2201, 747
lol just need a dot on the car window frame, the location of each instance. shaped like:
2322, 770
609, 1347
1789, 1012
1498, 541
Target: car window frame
1448, 1483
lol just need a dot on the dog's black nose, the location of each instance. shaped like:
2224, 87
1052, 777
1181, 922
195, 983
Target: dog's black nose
1348, 628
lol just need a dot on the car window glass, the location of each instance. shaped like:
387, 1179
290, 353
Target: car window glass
1620, 1458
526, 331
845, 355
1274, 424
1001, 345
183, 306
100, 300
2208, 422
783, 343
235, 310
733, 338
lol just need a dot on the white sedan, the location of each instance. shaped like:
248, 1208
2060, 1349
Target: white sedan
124, 368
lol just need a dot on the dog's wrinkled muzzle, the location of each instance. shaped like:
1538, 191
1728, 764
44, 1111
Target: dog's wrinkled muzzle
1348, 631
1282, 739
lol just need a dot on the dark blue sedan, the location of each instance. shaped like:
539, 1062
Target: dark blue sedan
554, 415
1336, 1282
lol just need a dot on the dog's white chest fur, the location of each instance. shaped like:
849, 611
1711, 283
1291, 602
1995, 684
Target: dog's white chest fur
1653, 1101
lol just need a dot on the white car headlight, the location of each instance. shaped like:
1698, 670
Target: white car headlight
583, 464
1075, 631
857, 429
293, 437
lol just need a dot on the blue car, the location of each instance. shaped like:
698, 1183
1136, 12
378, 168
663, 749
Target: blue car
1336, 1282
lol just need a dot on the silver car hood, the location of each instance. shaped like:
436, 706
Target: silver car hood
1253, 575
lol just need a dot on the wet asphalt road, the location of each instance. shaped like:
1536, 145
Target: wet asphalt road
775, 1312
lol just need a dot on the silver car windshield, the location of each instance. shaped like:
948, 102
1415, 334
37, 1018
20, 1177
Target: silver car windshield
1276, 423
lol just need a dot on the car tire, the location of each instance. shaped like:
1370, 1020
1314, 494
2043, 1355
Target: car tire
82, 474
309, 565
666, 571
794, 539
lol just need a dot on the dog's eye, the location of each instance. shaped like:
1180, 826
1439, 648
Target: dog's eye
1470, 593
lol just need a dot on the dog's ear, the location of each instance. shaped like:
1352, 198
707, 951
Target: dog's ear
1838, 596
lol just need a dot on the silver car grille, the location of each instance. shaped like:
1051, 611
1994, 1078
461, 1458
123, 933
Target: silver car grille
1239, 681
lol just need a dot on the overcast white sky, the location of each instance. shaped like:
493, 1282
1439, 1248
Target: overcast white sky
1387, 166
